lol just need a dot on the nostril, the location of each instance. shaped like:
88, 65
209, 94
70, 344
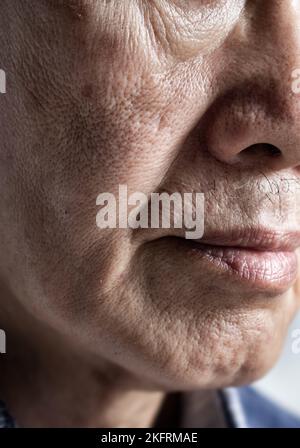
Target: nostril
261, 149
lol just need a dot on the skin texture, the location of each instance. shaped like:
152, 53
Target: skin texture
154, 94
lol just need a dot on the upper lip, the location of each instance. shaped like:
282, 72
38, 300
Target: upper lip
257, 238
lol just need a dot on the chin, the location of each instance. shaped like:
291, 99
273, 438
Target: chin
208, 347
216, 373
227, 364
202, 329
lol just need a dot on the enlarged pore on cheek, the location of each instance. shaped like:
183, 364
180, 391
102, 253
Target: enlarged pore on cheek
104, 23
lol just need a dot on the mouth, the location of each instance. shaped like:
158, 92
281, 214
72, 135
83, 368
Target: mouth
263, 259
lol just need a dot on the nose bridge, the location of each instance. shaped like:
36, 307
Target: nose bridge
282, 46
277, 35
265, 107
289, 13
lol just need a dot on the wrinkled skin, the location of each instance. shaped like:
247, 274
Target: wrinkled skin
155, 94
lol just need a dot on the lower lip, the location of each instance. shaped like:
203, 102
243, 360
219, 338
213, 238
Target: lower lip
271, 270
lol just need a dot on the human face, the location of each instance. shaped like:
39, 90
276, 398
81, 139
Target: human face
159, 95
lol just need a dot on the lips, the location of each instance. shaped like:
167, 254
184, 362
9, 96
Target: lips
263, 269
260, 258
258, 238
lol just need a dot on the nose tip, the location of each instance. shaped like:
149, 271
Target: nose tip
260, 128
258, 119
277, 149
263, 151
265, 155
254, 155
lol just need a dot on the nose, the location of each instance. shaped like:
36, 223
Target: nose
257, 120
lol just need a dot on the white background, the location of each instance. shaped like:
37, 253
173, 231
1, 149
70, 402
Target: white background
282, 383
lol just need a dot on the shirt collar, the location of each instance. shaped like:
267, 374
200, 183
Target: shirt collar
6, 421
200, 409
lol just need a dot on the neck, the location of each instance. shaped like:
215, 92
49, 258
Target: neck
46, 383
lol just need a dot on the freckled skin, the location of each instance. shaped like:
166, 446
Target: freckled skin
153, 94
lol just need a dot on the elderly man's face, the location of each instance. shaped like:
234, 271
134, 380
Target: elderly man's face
159, 95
